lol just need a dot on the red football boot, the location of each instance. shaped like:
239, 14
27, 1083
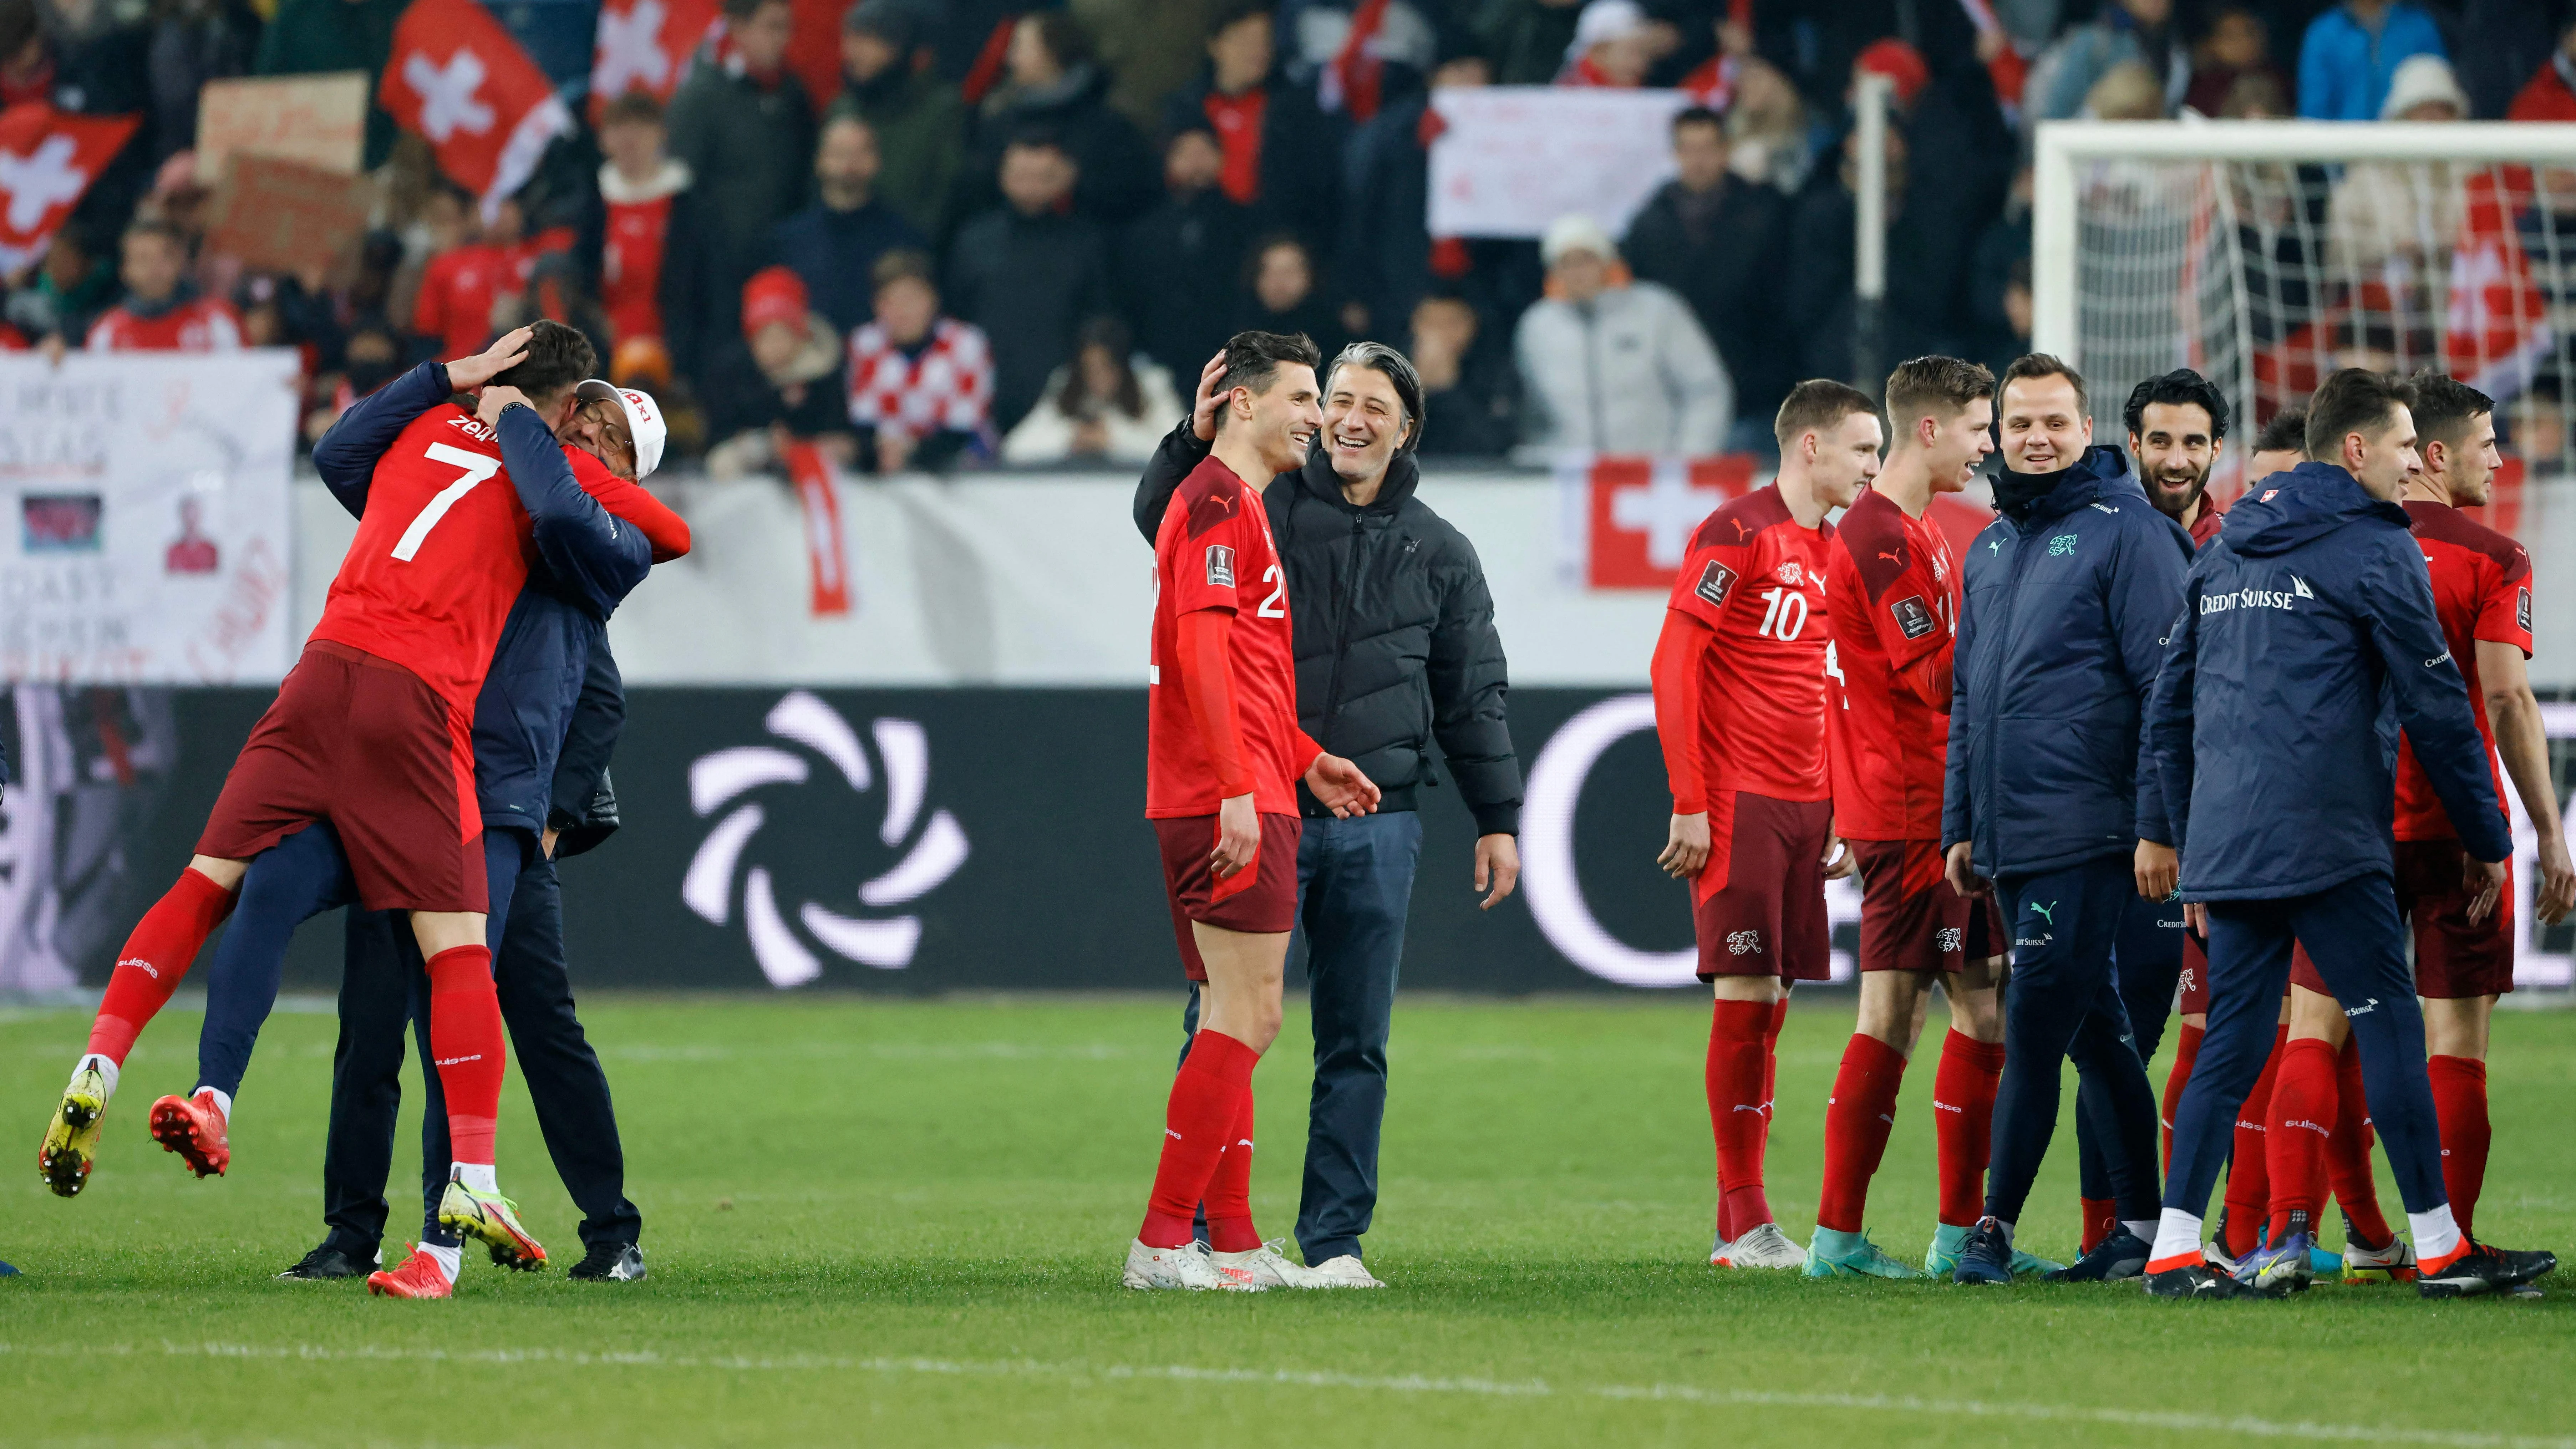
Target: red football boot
418, 1277
193, 1127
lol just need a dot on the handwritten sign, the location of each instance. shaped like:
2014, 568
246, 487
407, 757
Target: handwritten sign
319, 120
286, 216
1511, 159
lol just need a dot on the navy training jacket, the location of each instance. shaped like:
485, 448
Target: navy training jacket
2307, 638
588, 562
2060, 635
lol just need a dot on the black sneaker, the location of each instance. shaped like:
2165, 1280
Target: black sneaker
2485, 1270
2118, 1256
611, 1263
327, 1262
2196, 1280
1986, 1258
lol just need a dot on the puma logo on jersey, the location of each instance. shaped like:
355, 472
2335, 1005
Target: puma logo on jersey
1220, 566
2046, 913
1715, 582
1740, 533
1897, 559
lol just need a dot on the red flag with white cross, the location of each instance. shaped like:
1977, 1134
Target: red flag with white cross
1639, 514
645, 45
460, 82
48, 159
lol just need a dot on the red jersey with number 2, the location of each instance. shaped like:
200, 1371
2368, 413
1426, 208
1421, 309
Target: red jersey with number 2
2481, 590
1214, 552
1758, 580
1893, 587
440, 554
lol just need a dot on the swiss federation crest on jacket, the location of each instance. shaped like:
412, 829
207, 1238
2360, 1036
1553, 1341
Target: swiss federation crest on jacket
2307, 638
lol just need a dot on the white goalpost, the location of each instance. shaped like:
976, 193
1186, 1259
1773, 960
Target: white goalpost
2265, 254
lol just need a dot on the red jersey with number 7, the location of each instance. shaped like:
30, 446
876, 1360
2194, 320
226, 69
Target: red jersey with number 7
1893, 587
2481, 591
1757, 579
441, 553
1214, 551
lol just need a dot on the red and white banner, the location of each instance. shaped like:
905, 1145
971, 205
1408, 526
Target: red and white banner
459, 81
47, 161
826, 552
1630, 519
645, 45
2498, 328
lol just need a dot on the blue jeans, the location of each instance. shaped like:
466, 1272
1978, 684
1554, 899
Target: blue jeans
1354, 885
2353, 934
2064, 1002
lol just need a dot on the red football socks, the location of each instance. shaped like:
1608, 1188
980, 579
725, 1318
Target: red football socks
2301, 1115
2460, 1102
2186, 1051
1857, 1120
2101, 1215
1229, 1194
164, 942
2249, 1175
465, 1035
1209, 1094
1963, 1114
1739, 1065
2348, 1155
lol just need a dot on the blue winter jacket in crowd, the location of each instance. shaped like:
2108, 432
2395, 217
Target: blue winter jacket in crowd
2060, 634
587, 563
2307, 639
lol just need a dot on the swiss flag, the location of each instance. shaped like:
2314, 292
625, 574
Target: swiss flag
2498, 327
1356, 75
1640, 513
47, 160
458, 80
645, 45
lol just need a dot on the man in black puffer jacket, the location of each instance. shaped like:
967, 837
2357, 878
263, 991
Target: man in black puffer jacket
1396, 648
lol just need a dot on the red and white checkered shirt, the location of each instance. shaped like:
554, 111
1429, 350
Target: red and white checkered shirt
947, 388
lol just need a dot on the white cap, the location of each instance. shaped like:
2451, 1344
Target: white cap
1575, 232
1605, 20
643, 419
2421, 78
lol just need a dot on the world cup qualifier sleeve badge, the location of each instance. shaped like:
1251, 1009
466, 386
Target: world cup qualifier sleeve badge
1220, 566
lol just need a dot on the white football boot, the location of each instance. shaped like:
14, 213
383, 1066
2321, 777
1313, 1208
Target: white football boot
1346, 1271
1269, 1267
1763, 1247
1188, 1266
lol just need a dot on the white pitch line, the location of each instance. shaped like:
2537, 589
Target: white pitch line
1903, 1405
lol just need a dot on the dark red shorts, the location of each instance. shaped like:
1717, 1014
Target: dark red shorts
2195, 974
365, 744
1910, 919
1759, 904
1260, 901
2454, 960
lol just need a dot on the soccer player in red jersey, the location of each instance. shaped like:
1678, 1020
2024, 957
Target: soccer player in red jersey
372, 731
1739, 679
1892, 595
1224, 755
2463, 956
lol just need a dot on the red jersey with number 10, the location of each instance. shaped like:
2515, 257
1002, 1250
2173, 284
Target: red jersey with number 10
1214, 552
1893, 588
2481, 590
440, 554
1758, 580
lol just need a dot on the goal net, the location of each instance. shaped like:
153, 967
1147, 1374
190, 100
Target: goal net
2267, 254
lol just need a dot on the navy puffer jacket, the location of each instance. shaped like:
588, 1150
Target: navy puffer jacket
2307, 638
2060, 634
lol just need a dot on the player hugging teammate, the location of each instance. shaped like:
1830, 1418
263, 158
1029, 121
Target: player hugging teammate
1816, 681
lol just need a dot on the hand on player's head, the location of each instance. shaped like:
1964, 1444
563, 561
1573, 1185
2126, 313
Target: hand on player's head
1210, 397
496, 397
507, 351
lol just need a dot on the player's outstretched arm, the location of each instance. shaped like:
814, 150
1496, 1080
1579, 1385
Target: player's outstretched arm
2523, 744
1340, 786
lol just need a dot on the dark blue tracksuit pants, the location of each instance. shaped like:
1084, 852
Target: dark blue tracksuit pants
1354, 885
2064, 1001
385, 987
2147, 962
2353, 933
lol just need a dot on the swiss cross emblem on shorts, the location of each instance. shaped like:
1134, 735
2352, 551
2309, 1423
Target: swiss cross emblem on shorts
1912, 617
1220, 566
2522, 609
1715, 582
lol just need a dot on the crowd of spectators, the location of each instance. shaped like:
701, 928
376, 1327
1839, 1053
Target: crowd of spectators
1015, 237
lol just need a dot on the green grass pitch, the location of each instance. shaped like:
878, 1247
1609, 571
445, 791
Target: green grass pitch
900, 1223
